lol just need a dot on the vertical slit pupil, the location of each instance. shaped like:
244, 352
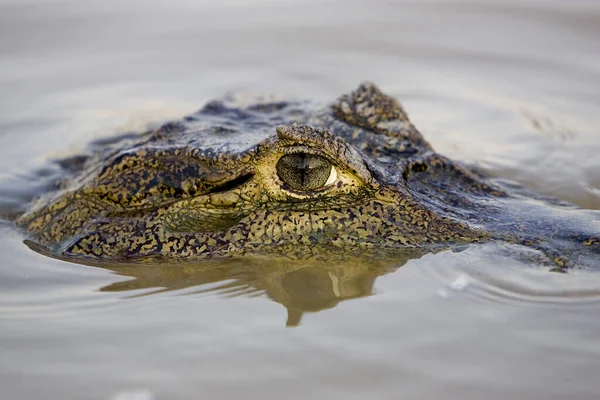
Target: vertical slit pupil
303, 167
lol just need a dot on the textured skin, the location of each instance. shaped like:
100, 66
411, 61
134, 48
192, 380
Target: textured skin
207, 186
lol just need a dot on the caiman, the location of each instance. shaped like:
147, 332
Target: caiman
289, 178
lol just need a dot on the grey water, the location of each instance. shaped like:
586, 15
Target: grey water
511, 87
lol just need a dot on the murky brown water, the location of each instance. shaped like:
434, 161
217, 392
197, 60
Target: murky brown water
513, 87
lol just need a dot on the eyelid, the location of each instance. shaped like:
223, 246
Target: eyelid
308, 150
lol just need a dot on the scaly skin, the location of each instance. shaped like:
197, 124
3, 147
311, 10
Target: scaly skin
207, 186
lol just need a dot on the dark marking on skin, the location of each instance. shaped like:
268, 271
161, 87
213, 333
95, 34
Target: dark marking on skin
232, 184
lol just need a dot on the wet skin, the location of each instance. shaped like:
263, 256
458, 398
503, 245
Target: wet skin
292, 180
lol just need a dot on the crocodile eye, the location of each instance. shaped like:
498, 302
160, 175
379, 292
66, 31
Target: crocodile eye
301, 171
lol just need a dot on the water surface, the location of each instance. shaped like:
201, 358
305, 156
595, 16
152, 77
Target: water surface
511, 87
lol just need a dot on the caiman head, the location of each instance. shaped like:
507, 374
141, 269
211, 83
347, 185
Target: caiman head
271, 177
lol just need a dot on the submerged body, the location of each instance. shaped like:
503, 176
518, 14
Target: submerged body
288, 179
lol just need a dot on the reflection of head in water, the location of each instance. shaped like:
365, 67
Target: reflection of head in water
300, 286
314, 288
308, 285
